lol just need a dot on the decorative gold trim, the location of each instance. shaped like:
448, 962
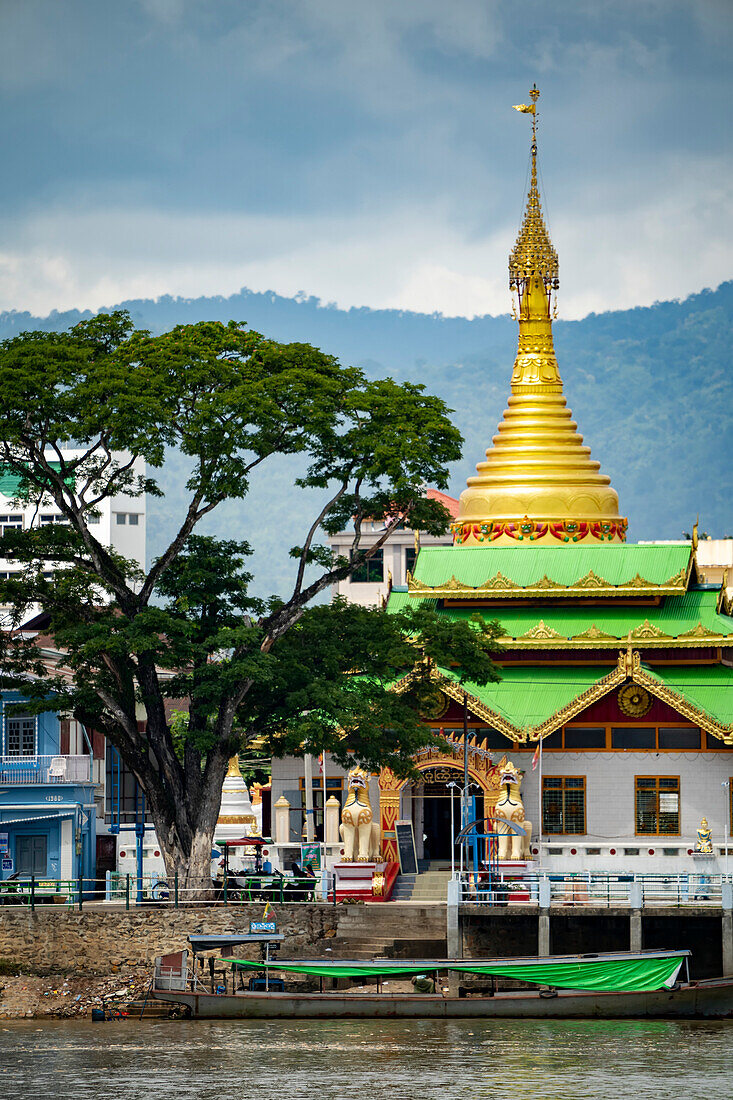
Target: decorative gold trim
628, 668
633, 700
647, 631
722, 730
591, 584
724, 605
593, 634
544, 632
497, 721
594, 638
701, 631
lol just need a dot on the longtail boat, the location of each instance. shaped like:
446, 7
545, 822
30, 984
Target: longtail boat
609, 985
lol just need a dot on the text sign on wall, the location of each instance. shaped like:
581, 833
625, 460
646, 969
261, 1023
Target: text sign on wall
262, 927
4, 849
406, 847
7, 864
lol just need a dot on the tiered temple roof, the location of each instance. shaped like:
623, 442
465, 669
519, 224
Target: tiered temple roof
539, 547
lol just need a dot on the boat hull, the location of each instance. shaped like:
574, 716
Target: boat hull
696, 1001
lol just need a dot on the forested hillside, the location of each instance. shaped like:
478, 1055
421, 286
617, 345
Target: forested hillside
651, 389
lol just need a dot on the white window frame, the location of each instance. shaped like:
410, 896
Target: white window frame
27, 718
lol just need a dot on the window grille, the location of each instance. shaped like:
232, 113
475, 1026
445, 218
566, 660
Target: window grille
20, 735
657, 805
563, 804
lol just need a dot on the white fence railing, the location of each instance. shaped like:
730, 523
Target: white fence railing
24, 770
592, 889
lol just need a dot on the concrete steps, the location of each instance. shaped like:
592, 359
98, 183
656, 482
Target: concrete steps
391, 931
429, 885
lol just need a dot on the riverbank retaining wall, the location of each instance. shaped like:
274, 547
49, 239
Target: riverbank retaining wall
98, 940
581, 931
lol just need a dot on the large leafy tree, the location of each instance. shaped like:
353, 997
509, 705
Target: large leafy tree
87, 415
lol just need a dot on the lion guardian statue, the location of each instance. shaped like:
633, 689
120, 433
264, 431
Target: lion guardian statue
510, 808
359, 831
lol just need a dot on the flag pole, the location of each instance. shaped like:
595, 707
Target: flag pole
539, 823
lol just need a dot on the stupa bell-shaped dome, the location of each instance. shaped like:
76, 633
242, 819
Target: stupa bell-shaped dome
538, 483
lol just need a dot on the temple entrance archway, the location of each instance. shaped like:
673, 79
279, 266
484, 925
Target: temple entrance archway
429, 801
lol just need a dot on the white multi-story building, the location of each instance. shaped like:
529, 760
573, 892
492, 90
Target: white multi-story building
120, 524
388, 569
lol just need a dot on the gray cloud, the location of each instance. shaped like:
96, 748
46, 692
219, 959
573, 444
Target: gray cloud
365, 153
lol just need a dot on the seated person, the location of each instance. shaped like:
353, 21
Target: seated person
423, 983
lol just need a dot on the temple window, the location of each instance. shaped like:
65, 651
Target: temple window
410, 559
578, 737
563, 804
633, 737
657, 805
20, 735
371, 571
684, 737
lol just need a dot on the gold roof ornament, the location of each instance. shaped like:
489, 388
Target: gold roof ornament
538, 483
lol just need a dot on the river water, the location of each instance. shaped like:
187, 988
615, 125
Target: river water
368, 1060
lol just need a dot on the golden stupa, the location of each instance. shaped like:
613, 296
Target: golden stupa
538, 483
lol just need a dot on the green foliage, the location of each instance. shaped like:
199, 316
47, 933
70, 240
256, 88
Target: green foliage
130, 645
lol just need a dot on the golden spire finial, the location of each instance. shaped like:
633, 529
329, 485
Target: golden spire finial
533, 253
538, 483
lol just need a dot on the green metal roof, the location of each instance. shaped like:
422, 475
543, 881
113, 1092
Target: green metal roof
532, 700
694, 611
540, 568
527, 696
708, 688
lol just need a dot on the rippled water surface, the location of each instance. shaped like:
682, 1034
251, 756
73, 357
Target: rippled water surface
369, 1059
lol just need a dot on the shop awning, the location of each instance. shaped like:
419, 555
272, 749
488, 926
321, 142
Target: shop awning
37, 817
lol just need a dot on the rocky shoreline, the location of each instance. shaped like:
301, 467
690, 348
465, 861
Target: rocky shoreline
36, 996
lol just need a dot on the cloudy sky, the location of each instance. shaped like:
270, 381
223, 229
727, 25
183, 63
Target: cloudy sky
363, 151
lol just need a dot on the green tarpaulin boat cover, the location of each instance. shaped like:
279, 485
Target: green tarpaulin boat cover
601, 975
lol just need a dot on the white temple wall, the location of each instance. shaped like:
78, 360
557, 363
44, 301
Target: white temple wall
610, 807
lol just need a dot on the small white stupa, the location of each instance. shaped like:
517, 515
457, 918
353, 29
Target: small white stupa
236, 816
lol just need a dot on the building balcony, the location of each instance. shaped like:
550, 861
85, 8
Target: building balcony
20, 771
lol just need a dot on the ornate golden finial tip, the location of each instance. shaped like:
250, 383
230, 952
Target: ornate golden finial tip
525, 108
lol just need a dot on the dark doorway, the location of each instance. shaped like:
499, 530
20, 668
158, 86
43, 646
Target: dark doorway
436, 824
437, 812
106, 860
32, 855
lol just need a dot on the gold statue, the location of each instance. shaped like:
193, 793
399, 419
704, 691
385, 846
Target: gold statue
704, 838
359, 831
510, 807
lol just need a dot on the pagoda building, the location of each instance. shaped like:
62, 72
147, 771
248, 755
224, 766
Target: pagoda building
616, 660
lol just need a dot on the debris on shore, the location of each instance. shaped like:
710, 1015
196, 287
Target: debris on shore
35, 996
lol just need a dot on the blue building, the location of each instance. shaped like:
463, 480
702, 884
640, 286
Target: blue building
47, 807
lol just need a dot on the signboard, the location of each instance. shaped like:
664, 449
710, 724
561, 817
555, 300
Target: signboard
310, 853
4, 844
262, 927
406, 847
668, 802
7, 864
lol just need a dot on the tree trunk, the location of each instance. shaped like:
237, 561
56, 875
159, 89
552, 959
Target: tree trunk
193, 868
186, 836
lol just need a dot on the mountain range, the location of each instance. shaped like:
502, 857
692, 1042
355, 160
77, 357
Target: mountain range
651, 389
